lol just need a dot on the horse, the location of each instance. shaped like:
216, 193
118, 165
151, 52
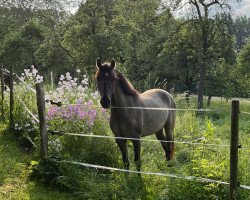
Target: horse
131, 116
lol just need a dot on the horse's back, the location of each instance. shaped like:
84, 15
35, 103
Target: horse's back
157, 98
155, 119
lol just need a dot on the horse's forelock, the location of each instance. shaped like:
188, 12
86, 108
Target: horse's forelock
105, 70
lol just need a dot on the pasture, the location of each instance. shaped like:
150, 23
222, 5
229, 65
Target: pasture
24, 176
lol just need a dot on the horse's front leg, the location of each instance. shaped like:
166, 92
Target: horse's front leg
122, 144
137, 153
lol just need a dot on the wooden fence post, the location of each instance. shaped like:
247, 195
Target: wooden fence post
2, 93
52, 80
234, 149
11, 125
42, 120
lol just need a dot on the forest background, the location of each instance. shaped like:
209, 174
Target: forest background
205, 50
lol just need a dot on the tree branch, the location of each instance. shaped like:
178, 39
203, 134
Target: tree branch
195, 3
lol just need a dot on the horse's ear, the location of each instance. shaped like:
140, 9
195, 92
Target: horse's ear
99, 63
112, 64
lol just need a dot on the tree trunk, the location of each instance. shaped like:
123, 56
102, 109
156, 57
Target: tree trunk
201, 86
209, 100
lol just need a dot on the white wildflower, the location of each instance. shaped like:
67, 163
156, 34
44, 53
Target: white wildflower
16, 126
62, 77
34, 71
95, 95
69, 77
39, 79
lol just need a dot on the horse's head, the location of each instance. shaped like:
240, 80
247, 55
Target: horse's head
106, 77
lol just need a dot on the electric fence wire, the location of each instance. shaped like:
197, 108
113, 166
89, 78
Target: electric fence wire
28, 86
248, 113
26, 108
142, 139
199, 179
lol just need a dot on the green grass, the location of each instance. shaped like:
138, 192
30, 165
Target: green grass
14, 172
76, 182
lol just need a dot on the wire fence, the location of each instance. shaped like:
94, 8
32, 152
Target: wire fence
200, 179
59, 104
248, 113
28, 86
139, 139
193, 178
27, 109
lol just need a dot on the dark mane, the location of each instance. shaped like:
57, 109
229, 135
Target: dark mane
126, 86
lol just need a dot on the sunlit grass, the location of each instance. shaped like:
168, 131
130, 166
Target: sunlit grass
14, 172
66, 181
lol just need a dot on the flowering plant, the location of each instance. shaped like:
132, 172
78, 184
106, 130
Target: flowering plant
26, 125
79, 112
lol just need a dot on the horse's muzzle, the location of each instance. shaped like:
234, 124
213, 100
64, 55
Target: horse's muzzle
105, 102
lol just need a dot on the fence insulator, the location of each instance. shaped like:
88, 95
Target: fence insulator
60, 133
239, 146
59, 104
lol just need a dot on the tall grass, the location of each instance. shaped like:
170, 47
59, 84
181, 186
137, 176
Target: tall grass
81, 113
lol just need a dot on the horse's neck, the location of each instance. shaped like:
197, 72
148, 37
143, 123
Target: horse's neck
119, 99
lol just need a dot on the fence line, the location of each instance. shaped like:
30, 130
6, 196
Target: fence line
144, 108
26, 108
162, 109
141, 139
234, 150
248, 113
200, 179
33, 90
5, 70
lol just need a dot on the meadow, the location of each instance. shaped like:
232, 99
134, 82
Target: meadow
24, 176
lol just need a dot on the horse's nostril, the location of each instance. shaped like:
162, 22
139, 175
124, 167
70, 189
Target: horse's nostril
105, 102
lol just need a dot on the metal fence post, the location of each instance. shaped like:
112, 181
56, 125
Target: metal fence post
42, 120
234, 149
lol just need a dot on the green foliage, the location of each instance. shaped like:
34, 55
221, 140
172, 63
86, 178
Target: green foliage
155, 49
242, 73
241, 31
195, 160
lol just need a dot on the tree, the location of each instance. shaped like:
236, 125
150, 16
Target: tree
241, 30
241, 74
19, 47
203, 13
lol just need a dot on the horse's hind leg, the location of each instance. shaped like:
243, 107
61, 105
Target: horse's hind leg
122, 144
169, 130
160, 136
